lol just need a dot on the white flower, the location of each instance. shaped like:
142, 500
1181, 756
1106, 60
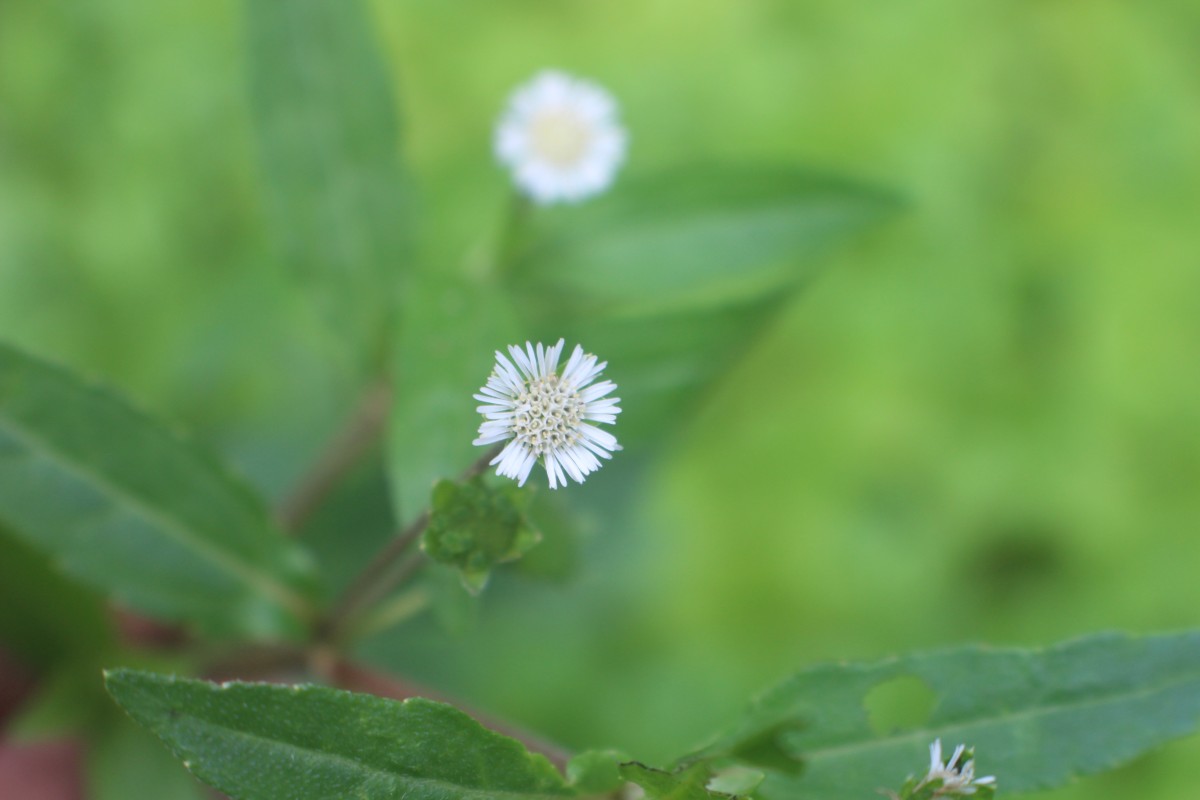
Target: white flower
561, 138
547, 415
957, 778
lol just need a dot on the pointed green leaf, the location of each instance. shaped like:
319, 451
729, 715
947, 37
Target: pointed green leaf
328, 139
1037, 718
686, 784
128, 506
695, 238
669, 277
256, 741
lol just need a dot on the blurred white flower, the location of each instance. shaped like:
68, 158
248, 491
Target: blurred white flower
547, 415
958, 779
561, 138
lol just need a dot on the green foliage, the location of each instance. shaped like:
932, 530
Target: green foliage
596, 771
328, 141
254, 741
128, 762
669, 277
447, 335
689, 783
44, 617
130, 507
475, 526
1038, 718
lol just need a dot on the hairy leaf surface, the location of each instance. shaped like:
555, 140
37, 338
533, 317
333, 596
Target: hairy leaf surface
312, 743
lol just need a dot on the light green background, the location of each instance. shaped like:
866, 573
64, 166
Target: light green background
982, 424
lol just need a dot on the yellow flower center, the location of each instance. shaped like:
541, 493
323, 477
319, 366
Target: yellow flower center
548, 417
560, 137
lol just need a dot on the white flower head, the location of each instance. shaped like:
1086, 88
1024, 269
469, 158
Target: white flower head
958, 778
561, 138
546, 415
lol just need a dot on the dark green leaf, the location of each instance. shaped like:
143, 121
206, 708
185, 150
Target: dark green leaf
669, 278
44, 617
255, 741
475, 526
1037, 718
686, 784
328, 139
128, 506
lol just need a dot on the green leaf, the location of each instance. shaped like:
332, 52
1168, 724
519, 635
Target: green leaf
447, 339
556, 558
596, 771
689, 783
255, 741
736, 780
129, 507
475, 526
1037, 718
669, 278
328, 138
693, 238
44, 617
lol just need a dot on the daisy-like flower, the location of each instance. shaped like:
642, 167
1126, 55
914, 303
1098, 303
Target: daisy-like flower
547, 416
561, 138
958, 778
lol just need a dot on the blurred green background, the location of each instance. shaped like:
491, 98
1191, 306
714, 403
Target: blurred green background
982, 423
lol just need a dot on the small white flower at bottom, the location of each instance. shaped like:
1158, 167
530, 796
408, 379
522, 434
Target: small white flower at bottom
546, 415
958, 779
561, 138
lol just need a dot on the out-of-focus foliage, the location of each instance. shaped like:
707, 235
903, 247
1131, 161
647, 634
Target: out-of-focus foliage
131, 508
982, 425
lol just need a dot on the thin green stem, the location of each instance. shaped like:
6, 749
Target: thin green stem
400, 608
513, 234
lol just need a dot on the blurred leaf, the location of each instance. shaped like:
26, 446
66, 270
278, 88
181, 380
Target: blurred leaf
351, 525
695, 238
127, 762
556, 558
596, 771
309, 742
328, 140
686, 784
475, 526
70, 699
449, 333
130, 507
44, 617
736, 780
1037, 718
668, 278
455, 609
